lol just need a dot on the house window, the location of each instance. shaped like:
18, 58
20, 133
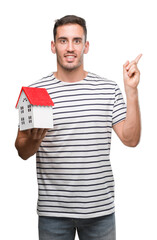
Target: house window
30, 119
29, 108
22, 120
22, 109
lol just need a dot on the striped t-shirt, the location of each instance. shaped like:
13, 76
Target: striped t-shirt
74, 172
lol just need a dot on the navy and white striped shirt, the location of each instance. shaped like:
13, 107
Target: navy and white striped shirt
74, 173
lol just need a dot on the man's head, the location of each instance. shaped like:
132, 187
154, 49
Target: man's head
70, 42
70, 19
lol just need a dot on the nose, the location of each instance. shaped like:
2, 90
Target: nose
70, 46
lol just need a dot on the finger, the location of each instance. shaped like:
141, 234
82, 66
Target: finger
126, 64
34, 132
134, 62
130, 65
44, 133
138, 58
132, 71
39, 133
124, 67
24, 133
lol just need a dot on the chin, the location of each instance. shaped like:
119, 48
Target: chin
70, 68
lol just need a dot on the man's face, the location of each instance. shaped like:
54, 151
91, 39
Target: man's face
70, 46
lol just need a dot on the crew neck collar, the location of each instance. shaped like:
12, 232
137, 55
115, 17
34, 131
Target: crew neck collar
64, 82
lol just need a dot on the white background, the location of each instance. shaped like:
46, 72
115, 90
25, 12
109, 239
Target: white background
117, 31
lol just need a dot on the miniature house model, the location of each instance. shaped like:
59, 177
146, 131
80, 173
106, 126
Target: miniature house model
35, 108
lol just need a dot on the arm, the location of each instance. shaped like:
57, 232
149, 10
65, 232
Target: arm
129, 130
28, 142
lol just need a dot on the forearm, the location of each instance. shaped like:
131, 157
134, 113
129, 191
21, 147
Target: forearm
129, 130
132, 123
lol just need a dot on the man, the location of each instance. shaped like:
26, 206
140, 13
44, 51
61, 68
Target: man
76, 185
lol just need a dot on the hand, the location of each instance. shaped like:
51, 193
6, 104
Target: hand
33, 134
131, 74
28, 141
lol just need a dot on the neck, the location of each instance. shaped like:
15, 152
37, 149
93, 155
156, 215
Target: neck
74, 75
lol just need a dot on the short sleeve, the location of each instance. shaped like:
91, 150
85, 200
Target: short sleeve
119, 108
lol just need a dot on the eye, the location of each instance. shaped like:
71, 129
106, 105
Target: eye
77, 41
63, 41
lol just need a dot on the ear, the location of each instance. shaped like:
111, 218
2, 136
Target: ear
53, 48
86, 47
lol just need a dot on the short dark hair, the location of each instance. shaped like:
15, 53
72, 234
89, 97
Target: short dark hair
70, 19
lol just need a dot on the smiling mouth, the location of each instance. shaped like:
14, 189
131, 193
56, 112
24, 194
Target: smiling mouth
70, 58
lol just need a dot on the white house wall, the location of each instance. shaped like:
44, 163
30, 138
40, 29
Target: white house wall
25, 113
43, 116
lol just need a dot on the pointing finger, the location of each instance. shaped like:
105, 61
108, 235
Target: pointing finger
134, 62
138, 58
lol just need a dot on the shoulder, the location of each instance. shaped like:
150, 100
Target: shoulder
99, 79
44, 81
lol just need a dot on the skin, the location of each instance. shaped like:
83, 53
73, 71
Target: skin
28, 141
70, 47
129, 130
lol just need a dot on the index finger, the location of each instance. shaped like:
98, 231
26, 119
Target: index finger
138, 58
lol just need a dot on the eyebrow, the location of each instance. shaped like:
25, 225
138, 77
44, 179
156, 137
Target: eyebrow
75, 38
61, 38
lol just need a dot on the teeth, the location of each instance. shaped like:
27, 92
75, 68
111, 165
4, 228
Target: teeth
70, 56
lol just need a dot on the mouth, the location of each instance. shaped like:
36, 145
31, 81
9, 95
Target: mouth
70, 57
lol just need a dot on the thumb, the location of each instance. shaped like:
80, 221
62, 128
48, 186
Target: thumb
126, 64
124, 67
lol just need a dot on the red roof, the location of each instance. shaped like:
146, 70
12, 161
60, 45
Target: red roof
37, 96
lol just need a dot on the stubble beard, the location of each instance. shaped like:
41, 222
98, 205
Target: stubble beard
70, 67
